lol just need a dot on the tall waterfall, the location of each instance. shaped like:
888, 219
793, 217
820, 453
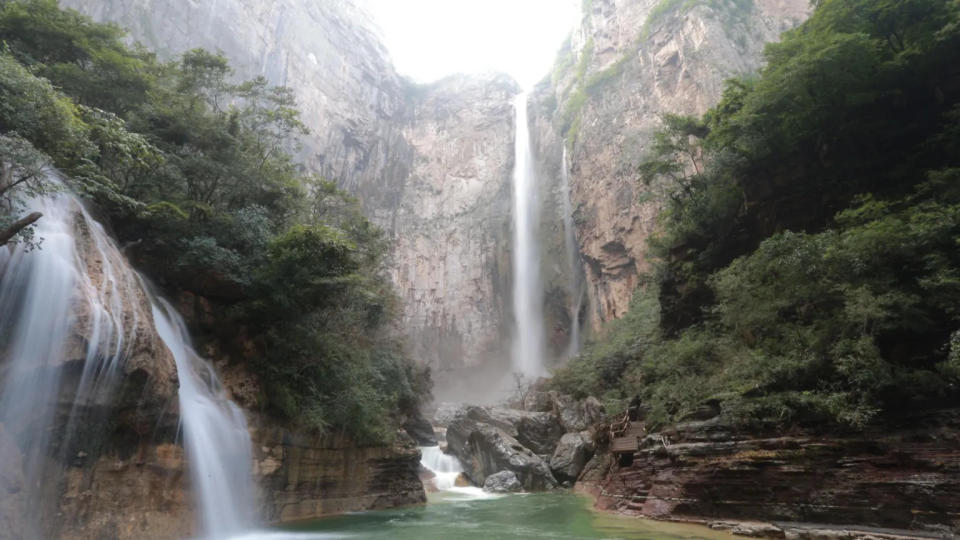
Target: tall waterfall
574, 270
529, 338
74, 299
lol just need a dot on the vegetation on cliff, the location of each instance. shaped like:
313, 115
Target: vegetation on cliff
194, 173
808, 265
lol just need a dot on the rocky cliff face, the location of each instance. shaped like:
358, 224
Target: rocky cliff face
430, 164
630, 62
451, 263
347, 90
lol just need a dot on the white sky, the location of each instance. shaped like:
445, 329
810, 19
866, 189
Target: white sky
429, 39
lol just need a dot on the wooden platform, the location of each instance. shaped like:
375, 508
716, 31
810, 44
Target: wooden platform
629, 441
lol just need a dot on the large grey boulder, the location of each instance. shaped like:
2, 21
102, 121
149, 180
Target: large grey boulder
596, 469
485, 449
538, 431
571, 455
502, 482
420, 429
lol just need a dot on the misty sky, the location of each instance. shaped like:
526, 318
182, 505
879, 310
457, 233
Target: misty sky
429, 39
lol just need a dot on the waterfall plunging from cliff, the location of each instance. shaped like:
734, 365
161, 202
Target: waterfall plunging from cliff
529, 338
75, 303
574, 270
215, 433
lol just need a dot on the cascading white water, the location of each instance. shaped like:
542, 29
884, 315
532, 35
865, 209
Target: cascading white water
529, 337
36, 295
215, 432
71, 293
574, 271
446, 468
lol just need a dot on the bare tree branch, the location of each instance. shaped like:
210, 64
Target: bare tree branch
17, 226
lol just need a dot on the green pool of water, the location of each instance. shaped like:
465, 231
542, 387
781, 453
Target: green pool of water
563, 516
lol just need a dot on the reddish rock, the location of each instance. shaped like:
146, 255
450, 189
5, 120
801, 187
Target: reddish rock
904, 476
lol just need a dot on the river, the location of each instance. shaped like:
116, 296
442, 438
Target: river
452, 516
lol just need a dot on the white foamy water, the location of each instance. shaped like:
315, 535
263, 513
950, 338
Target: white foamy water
529, 338
446, 469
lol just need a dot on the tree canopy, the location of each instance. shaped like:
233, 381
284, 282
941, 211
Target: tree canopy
192, 169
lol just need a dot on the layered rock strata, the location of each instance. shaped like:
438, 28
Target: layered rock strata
304, 477
141, 491
904, 476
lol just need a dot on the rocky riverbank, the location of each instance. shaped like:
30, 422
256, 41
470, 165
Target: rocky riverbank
900, 480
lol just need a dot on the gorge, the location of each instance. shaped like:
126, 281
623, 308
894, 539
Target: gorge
703, 271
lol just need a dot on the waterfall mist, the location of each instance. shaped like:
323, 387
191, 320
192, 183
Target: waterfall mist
529, 338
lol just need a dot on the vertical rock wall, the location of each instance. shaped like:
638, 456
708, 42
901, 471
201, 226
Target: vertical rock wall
430, 164
451, 259
621, 70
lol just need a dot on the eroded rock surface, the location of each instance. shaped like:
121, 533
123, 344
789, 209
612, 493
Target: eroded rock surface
904, 476
306, 476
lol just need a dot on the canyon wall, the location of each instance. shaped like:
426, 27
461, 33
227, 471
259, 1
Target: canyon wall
451, 261
628, 63
430, 164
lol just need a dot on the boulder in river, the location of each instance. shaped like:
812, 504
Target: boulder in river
485, 449
502, 482
571, 455
538, 431
420, 429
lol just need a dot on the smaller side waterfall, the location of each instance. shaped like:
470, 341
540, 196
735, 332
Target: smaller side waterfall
215, 433
445, 467
575, 288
